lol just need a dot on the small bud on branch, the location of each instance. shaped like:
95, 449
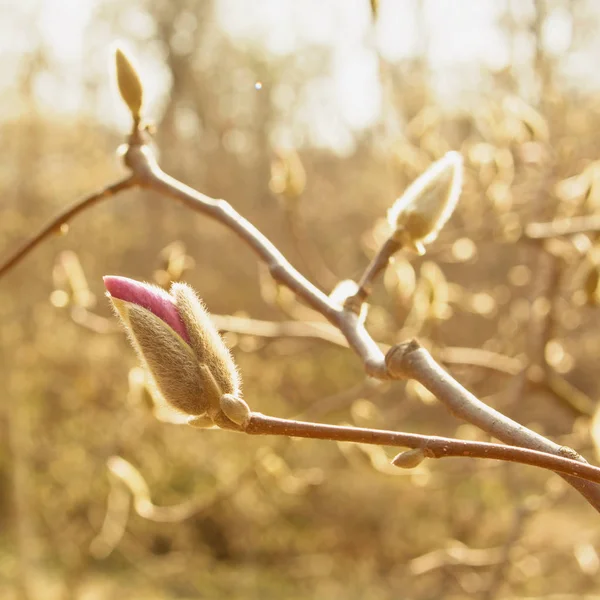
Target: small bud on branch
420, 213
130, 84
181, 349
409, 459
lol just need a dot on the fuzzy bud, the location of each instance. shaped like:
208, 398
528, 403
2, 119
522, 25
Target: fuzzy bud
420, 213
205, 339
130, 84
235, 409
409, 459
180, 347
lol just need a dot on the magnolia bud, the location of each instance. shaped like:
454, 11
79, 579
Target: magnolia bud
130, 85
168, 358
179, 345
409, 459
205, 339
420, 213
235, 409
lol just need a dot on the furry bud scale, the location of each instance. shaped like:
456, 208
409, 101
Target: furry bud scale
180, 347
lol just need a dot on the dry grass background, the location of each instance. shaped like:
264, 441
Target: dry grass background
277, 518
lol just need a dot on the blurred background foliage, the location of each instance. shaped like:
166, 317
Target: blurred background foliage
310, 118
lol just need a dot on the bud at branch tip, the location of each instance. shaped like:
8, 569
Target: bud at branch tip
129, 82
419, 214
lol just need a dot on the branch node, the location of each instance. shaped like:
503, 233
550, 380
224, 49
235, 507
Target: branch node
570, 453
400, 357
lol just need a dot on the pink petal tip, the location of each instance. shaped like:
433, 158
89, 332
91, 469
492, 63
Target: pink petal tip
150, 297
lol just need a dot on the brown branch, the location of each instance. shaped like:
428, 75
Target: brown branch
432, 446
413, 361
141, 160
64, 217
405, 360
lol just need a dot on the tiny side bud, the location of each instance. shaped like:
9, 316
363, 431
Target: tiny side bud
409, 459
235, 409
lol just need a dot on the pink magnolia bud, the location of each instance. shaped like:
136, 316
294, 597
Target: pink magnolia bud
179, 345
151, 297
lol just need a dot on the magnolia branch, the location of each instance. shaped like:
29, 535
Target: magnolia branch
140, 159
429, 446
374, 269
412, 361
404, 361
399, 363
423, 446
54, 226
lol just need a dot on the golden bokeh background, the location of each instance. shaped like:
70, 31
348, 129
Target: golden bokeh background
311, 118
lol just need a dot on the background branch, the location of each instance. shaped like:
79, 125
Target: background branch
559, 227
54, 226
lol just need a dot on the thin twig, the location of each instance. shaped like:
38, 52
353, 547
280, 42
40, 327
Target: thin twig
64, 217
432, 446
376, 266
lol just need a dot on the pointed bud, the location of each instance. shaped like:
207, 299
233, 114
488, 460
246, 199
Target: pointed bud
130, 84
205, 339
179, 345
420, 213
